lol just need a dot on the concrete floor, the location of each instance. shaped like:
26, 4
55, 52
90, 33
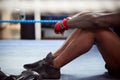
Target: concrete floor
15, 53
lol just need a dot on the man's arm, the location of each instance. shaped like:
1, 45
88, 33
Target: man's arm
89, 20
94, 20
108, 20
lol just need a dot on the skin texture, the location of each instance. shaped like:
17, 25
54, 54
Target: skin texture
91, 28
94, 20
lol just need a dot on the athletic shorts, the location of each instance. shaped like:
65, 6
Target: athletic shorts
113, 73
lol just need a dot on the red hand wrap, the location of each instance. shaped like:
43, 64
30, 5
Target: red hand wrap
57, 28
60, 27
65, 23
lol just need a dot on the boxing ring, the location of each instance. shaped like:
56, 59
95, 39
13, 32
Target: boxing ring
15, 53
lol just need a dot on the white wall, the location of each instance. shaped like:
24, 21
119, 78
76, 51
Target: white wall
60, 5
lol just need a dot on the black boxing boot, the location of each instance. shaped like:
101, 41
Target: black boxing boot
28, 75
45, 68
3, 76
38, 63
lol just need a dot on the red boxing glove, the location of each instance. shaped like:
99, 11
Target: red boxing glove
60, 27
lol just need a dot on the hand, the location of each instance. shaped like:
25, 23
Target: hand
61, 26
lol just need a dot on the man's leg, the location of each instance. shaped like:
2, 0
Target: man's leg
50, 68
109, 45
80, 45
77, 44
73, 35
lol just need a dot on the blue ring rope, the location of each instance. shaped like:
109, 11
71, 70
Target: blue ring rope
29, 21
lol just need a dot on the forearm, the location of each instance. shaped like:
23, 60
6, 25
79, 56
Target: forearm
89, 20
95, 20
108, 20
80, 21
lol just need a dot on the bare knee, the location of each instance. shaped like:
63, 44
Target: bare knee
100, 33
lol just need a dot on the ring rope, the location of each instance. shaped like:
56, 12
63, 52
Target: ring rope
29, 21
